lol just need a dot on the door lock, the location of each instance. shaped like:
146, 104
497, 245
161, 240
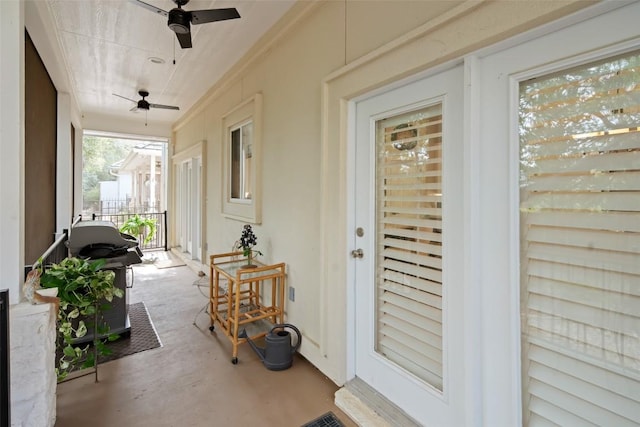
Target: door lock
357, 253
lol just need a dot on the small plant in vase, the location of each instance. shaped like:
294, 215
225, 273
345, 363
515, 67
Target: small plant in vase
247, 241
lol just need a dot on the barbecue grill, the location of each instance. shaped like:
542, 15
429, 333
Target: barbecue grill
103, 240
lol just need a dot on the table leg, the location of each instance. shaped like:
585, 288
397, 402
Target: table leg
274, 318
256, 295
281, 279
213, 297
236, 318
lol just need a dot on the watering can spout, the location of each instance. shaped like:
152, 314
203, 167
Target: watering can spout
259, 351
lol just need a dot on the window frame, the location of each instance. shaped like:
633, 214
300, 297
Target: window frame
244, 209
242, 163
494, 125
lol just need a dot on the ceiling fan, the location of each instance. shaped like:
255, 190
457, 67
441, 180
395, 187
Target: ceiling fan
143, 104
180, 19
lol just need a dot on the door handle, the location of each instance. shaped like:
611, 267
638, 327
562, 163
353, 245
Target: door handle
357, 253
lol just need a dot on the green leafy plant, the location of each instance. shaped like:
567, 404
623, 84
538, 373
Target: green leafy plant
138, 226
85, 291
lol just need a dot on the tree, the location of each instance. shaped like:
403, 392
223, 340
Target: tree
99, 154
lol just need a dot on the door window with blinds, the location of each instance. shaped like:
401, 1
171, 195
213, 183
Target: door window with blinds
580, 245
409, 242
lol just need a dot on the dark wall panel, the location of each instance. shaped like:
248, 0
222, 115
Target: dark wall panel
40, 155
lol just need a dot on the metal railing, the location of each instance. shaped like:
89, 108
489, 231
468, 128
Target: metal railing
119, 206
158, 241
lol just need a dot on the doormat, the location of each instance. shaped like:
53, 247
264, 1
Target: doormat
143, 336
167, 260
327, 420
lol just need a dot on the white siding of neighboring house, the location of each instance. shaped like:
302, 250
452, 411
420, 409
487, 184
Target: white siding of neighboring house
119, 189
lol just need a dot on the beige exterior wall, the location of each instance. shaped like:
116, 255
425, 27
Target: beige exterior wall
321, 55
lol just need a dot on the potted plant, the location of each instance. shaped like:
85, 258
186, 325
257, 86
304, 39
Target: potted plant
85, 291
138, 227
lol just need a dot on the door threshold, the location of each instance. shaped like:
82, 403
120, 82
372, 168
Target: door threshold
366, 407
193, 264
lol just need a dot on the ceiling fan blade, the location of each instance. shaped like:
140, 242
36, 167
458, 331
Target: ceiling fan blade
124, 97
134, 108
211, 15
166, 107
151, 7
184, 39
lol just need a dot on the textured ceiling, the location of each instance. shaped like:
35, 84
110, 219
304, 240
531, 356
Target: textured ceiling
107, 44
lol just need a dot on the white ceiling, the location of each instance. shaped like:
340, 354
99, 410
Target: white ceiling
106, 46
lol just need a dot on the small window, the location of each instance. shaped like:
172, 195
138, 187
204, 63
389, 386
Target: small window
241, 161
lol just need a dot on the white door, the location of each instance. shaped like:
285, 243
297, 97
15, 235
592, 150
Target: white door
195, 208
179, 202
183, 199
188, 200
188, 217
408, 224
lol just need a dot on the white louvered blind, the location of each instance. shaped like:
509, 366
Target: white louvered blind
580, 245
409, 242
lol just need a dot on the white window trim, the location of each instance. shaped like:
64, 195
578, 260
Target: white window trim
243, 209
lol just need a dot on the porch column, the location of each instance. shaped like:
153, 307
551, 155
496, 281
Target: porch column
64, 167
12, 146
152, 184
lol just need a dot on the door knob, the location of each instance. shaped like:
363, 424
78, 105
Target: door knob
357, 253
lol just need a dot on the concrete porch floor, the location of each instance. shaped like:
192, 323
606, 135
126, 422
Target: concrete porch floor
190, 380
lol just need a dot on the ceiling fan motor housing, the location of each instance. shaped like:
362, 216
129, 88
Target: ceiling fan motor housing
179, 21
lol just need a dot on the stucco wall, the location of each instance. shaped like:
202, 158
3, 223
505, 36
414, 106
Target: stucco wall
320, 56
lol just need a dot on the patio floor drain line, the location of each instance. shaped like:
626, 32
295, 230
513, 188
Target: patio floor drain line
327, 420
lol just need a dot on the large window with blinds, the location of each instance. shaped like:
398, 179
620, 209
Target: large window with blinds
409, 242
580, 245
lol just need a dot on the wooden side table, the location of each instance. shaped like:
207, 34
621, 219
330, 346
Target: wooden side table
253, 295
